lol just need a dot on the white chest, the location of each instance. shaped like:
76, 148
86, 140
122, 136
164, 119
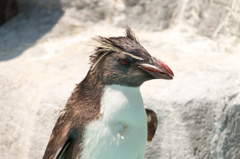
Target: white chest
121, 131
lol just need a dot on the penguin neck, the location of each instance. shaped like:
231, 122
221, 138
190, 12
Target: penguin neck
87, 94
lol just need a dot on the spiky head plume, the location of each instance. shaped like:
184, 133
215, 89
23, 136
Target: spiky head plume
109, 45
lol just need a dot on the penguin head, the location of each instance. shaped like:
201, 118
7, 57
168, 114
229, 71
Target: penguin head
123, 61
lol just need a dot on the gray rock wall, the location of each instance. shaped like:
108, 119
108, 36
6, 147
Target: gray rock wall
43, 54
209, 18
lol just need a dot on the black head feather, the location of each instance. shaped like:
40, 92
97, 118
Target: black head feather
123, 44
130, 34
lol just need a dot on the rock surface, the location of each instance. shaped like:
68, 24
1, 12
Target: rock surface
44, 53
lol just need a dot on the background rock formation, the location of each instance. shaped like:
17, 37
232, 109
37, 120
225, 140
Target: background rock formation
43, 54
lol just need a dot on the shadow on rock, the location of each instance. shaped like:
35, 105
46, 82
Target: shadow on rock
23, 30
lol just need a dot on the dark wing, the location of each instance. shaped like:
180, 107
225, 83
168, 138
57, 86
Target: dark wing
67, 151
62, 141
152, 123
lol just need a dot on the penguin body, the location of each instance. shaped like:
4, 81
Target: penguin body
117, 133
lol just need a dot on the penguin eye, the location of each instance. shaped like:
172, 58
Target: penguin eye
125, 62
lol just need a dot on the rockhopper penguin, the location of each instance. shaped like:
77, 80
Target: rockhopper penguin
104, 117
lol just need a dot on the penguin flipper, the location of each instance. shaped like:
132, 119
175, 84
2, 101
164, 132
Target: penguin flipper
152, 123
62, 140
61, 147
62, 153
67, 149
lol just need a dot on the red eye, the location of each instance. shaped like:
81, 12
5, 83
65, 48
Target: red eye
125, 62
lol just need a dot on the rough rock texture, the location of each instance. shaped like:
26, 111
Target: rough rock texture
210, 18
43, 54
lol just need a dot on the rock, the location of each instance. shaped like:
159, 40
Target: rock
43, 54
209, 18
